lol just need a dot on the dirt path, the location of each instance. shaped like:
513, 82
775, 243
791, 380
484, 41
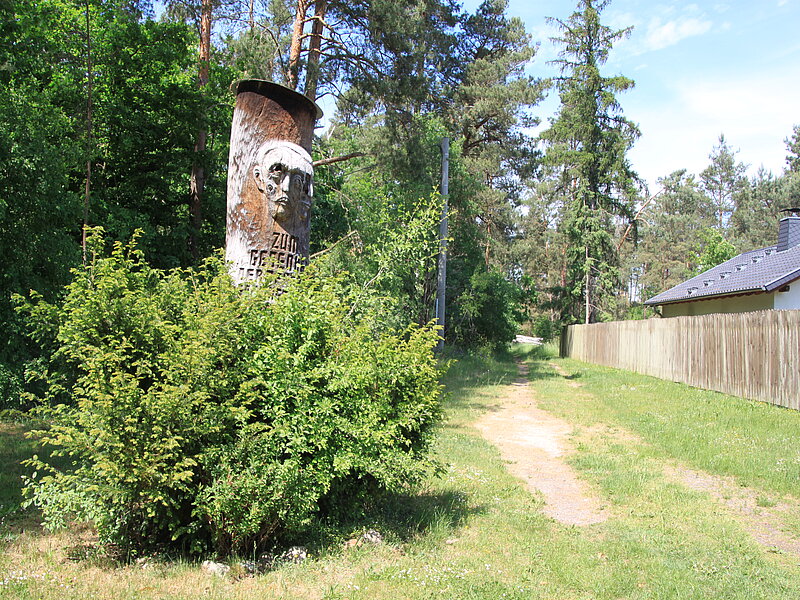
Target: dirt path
764, 523
534, 444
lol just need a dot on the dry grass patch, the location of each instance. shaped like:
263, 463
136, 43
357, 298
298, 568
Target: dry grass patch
766, 519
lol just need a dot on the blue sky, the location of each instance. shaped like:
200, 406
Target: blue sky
701, 69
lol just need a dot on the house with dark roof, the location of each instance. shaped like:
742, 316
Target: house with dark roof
763, 279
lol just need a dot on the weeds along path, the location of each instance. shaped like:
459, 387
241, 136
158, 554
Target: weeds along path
534, 444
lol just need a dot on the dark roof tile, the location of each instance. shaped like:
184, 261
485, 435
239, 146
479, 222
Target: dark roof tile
762, 270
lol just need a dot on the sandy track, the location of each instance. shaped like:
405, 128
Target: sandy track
764, 523
534, 443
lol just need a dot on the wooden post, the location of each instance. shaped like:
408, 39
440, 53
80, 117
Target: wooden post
270, 180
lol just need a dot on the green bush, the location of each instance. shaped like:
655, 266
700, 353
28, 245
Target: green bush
10, 388
206, 416
487, 313
545, 328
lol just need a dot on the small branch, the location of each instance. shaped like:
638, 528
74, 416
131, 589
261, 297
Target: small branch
635, 218
336, 159
336, 243
364, 291
320, 20
277, 47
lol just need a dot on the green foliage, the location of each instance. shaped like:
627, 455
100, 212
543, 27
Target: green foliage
586, 151
331, 215
713, 251
136, 128
147, 107
399, 55
479, 96
10, 388
724, 181
754, 222
674, 220
546, 328
391, 250
39, 211
487, 312
203, 415
793, 147
394, 204
592, 263
492, 106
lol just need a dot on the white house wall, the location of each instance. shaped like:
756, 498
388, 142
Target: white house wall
789, 300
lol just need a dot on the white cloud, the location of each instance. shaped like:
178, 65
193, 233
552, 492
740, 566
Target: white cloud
680, 132
622, 20
762, 99
543, 33
661, 35
663, 26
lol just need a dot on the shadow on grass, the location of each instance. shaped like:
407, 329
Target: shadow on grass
539, 370
470, 370
14, 448
400, 518
536, 359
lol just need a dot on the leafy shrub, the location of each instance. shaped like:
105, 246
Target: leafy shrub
487, 313
545, 328
10, 388
714, 250
203, 415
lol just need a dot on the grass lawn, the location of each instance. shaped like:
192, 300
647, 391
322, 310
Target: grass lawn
474, 532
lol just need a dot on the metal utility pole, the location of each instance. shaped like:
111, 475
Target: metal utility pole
442, 280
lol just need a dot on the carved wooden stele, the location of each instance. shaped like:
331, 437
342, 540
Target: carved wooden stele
270, 180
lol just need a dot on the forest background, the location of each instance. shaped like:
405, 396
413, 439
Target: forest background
113, 117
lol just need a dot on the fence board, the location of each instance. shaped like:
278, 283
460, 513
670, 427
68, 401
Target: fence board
754, 355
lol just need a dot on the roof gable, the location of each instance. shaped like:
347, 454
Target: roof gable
762, 270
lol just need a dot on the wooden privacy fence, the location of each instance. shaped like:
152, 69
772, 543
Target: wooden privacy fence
754, 355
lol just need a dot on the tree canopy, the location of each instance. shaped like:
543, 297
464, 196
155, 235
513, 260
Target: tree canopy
116, 116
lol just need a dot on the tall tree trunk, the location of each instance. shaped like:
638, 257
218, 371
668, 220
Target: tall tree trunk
296, 47
314, 47
198, 179
487, 249
89, 82
587, 282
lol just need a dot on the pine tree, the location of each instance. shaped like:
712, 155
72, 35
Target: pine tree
790, 182
491, 107
724, 181
793, 146
673, 226
586, 148
753, 223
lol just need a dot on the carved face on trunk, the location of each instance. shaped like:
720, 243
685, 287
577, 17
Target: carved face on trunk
284, 174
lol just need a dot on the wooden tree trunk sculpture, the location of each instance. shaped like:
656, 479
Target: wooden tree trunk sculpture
270, 180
